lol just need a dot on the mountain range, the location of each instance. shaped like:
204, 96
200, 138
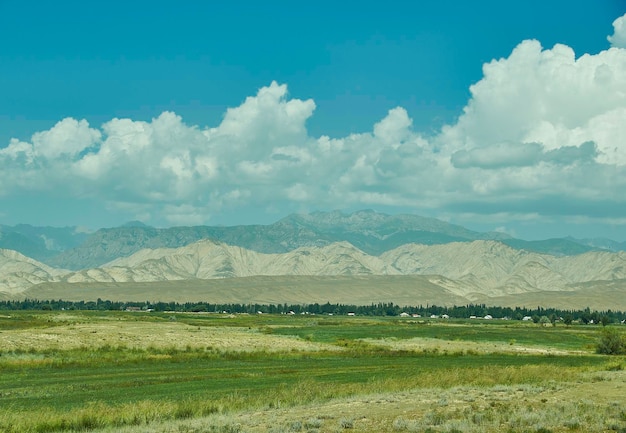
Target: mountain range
417, 256
372, 232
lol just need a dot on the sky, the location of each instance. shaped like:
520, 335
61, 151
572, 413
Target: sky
507, 116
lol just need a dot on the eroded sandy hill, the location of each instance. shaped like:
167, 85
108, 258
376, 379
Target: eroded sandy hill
472, 270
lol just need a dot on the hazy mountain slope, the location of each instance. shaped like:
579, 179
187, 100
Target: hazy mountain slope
18, 272
40, 243
555, 247
375, 232
369, 231
108, 244
375, 224
601, 244
10, 240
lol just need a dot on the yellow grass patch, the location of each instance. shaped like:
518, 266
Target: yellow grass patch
143, 335
458, 346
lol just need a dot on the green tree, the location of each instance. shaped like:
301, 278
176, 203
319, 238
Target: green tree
544, 321
611, 342
568, 319
553, 319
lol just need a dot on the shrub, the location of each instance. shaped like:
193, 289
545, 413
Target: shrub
312, 423
346, 423
611, 342
295, 426
400, 424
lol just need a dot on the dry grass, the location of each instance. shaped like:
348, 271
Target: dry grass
459, 347
144, 335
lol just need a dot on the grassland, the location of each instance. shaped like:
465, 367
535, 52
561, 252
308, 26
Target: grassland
166, 372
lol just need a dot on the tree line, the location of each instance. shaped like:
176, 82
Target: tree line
375, 309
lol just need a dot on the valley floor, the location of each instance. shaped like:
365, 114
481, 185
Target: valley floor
594, 403
188, 373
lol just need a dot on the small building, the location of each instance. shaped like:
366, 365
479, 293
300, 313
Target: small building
488, 317
351, 314
404, 314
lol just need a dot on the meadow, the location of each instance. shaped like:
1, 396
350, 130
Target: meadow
182, 372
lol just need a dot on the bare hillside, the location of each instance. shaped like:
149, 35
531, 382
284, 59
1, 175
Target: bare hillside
479, 271
18, 272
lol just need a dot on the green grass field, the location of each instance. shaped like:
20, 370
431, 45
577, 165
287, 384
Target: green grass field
181, 372
483, 331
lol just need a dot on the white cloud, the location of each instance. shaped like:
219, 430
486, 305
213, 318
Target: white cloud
543, 132
544, 96
31, 165
542, 129
166, 167
395, 128
499, 155
618, 38
298, 192
184, 214
503, 155
67, 138
262, 122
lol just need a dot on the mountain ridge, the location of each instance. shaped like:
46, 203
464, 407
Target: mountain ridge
373, 232
474, 271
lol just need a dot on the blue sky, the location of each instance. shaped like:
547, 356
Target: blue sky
494, 115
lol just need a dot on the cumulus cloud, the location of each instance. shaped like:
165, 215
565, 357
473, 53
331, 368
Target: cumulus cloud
545, 96
498, 156
165, 167
504, 155
568, 155
543, 132
618, 38
27, 165
542, 127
